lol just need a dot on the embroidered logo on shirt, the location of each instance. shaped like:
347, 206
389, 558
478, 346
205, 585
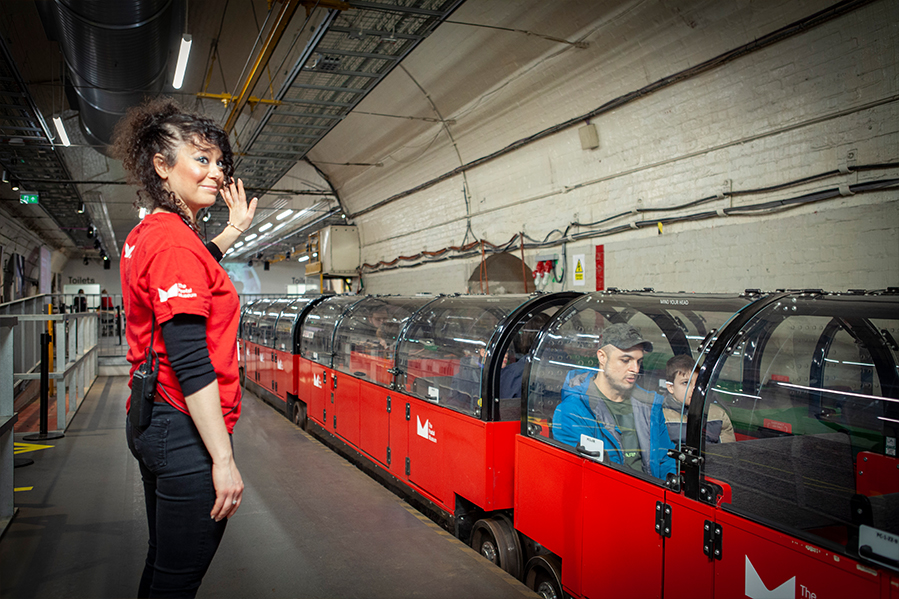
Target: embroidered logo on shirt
177, 290
128, 250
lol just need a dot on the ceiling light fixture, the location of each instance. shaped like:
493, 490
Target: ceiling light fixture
14, 184
181, 66
265, 227
81, 208
142, 213
251, 237
206, 217
284, 214
302, 258
60, 128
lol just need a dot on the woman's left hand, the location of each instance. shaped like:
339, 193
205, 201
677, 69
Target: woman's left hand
240, 213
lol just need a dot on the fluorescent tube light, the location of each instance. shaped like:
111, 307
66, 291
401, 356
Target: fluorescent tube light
284, 214
265, 227
181, 66
60, 128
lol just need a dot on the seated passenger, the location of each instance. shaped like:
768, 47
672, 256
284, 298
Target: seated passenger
510, 377
719, 428
515, 362
608, 411
465, 393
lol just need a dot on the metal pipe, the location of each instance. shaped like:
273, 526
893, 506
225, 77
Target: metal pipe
265, 54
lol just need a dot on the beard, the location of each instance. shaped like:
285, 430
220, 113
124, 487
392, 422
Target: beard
621, 386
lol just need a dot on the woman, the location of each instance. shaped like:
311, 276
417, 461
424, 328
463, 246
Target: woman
179, 301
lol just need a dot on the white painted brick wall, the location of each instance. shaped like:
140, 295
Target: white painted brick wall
792, 110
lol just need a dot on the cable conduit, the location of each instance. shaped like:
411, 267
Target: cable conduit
835, 11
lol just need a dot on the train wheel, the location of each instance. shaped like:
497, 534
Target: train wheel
495, 539
299, 414
544, 576
547, 588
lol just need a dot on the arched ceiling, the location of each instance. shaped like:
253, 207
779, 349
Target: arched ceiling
347, 96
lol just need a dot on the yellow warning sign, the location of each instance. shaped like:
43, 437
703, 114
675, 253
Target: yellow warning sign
579, 278
27, 447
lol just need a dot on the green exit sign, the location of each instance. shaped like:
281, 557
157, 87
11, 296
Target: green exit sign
28, 198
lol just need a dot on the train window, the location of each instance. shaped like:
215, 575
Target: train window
245, 313
268, 321
319, 325
284, 328
255, 332
811, 391
366, 338
441, 356
514, 355
598, 382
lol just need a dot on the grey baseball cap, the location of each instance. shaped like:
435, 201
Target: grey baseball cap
624, 337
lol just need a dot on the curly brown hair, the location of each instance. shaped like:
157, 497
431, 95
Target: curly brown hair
162, 126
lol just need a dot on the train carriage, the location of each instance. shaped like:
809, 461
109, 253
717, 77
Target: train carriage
801, 503
452, 401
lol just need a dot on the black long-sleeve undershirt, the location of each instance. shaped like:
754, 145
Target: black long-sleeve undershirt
215, 251
185, 343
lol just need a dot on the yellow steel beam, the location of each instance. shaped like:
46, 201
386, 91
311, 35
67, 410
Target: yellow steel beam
228, 98
265, 54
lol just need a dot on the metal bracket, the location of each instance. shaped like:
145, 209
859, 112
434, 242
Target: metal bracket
408, 467
674, 482
709, 493
663, 519
711, 544
388, 456
335, 422
408, 412
688, 456
388, 404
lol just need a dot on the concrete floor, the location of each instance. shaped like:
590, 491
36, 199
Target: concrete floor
311, 524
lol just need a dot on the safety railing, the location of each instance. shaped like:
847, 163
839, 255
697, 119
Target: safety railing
7, 421
74, 353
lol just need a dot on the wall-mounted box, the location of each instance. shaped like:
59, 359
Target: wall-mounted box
338, 251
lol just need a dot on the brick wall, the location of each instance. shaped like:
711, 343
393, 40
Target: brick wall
804, 106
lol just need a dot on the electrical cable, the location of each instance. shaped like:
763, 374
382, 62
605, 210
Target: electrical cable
769, 207
797, 27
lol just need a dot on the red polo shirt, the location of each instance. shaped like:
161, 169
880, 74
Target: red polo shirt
166, 270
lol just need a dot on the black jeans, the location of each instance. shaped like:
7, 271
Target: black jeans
178, 490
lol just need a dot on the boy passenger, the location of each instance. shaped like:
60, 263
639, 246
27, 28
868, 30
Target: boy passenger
718, 428
606, 415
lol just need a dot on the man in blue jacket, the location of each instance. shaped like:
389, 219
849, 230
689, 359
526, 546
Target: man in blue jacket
608, 416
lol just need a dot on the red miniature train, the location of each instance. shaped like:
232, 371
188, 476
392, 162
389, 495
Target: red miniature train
455, 402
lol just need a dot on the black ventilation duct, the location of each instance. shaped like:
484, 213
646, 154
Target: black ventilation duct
116, 53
